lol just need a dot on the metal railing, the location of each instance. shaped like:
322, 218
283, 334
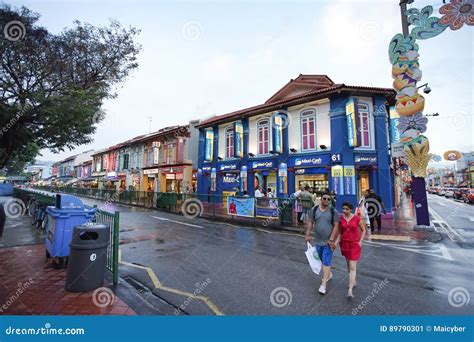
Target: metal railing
289, 212
112, 219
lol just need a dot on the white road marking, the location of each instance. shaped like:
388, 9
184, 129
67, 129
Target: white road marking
470, 218
453, 235
179, 222
439, 251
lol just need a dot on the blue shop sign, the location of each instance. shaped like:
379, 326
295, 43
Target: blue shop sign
258, 165
206, 168
228, 167
231, 182
312, 161
365, 159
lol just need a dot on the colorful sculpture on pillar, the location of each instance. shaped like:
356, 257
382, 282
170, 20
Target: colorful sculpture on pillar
403, 55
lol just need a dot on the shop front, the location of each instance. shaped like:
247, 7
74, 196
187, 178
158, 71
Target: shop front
175, 179
122, 180
366, 168
265, 174
150, 179
134, 180
229, 179
312, 171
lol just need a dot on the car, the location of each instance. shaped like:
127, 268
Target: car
469, 196
449, 193
459, 193
441, 192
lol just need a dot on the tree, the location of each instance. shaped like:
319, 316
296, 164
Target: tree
52, 86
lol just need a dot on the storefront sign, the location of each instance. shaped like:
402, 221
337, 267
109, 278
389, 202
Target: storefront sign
263, 165
228, 167
238, 140
349, 180
98, 174
352, 116
394, 121
121, 174
170, 176
240, 206
266, 207
206, 168
337, 175
397, 150
361, 159
150, 171
282, 177
112, 174
231, 182
312, 161
277, 133
209, 145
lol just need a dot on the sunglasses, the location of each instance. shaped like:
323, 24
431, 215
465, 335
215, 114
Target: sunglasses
325, 198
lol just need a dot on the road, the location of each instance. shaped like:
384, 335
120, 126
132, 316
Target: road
200, 267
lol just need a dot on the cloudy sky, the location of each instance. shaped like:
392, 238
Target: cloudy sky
202, 58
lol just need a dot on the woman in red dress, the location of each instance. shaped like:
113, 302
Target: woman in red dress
351, 232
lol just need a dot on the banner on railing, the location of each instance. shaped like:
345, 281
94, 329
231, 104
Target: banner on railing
240, 206
266, 207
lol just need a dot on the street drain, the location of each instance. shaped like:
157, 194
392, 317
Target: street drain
149, 295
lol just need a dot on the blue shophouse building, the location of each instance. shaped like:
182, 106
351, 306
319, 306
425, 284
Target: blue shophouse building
311, 132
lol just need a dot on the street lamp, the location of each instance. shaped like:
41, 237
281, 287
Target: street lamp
427, 89
432, 114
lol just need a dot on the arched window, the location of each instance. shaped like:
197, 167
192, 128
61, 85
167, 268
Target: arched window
308, 129
229, 142
364, 125
263, 136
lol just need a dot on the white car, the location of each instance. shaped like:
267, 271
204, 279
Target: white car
441, 192
449, 194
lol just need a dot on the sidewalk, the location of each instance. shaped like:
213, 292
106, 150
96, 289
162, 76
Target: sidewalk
29, 285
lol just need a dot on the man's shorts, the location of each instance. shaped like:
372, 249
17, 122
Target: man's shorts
325, 254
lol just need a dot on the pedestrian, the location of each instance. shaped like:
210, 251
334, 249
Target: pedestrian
333, 198
361, 210
270, 193
246, 194
316, 198
3, 218
351, 233
325, 221
258, 192
298, 205
374, 206
307, 204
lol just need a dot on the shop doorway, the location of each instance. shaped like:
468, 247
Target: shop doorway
318, 183
363, 183
266, 180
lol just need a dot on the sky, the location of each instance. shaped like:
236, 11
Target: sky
206, 58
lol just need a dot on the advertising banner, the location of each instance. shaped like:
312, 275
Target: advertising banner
266, 207
352, 115
240, 206
337, 175
231, 182
349, 180
394, 120
277, 133
209, 145
238, 140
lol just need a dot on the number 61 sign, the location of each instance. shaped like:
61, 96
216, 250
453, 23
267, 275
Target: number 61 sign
336, 158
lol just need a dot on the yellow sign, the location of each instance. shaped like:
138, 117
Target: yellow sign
337, 171
349, 171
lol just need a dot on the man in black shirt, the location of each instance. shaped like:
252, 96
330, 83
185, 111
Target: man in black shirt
374, 206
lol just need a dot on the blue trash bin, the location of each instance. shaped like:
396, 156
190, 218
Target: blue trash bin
62, 218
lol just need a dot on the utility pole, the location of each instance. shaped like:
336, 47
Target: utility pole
403, 10
149, 120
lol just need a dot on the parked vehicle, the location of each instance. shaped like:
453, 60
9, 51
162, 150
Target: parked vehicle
449, 193
441, 192
459, 193
469, 196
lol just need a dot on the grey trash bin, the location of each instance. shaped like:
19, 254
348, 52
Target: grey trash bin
87, 258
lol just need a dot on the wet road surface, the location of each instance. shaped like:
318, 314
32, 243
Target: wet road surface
200, 267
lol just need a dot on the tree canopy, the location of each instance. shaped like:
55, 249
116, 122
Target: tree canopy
52, 86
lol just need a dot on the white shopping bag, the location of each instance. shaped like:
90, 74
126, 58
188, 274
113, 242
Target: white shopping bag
313, 258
